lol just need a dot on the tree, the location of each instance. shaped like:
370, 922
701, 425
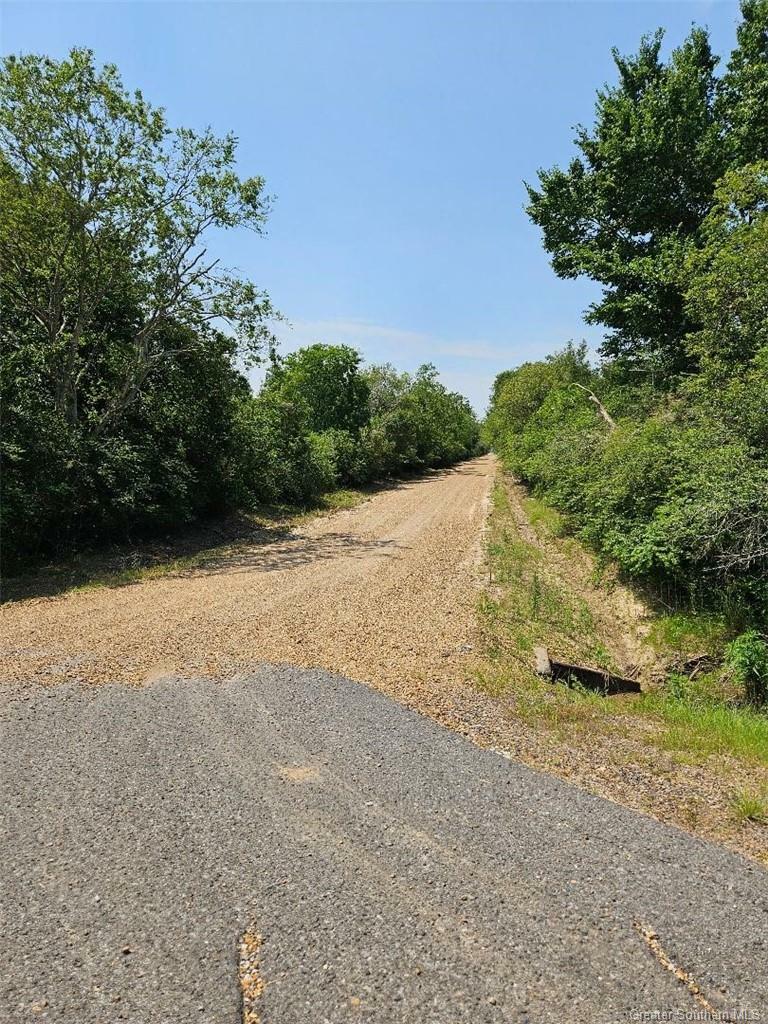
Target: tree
440, 424
631, 210
743, 91
517, 394
728, 290
328, 381
386, 388
102, 199
667, 206
119, 391
627, 210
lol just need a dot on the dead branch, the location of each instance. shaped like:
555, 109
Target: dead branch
600, 407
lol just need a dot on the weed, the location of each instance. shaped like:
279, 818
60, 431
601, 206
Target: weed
691, 719
749, 807
706, 727
344, 498
601, 656
747, 658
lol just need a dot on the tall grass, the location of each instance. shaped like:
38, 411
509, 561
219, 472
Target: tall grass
708, 727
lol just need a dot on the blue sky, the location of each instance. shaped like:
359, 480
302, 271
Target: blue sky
395, 138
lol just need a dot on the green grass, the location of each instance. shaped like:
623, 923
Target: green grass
116, 579
529, 606
749, 807
704, 727
543, 518
344, 498
690, 633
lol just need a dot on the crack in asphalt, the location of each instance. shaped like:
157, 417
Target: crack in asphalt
249, 975
665, 960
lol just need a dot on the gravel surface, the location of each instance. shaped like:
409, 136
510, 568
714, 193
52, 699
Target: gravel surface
381, 868
384, 593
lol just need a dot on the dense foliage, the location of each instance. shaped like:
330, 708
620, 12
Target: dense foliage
667, 206
321, 420
123, 406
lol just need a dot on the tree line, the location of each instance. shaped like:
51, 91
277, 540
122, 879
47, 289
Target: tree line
658, 456
125, 409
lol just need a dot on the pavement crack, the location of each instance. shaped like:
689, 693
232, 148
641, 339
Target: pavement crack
248, 975
665, 960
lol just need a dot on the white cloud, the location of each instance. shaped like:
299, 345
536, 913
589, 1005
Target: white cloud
406, 349
375, 337
468, 366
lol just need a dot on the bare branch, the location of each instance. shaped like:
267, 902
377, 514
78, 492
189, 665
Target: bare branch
600, 407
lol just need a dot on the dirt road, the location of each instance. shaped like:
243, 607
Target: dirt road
386, 594
383, 593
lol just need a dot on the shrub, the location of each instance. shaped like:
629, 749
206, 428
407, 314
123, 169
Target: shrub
747, 658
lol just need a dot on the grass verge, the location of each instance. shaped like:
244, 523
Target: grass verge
692, 732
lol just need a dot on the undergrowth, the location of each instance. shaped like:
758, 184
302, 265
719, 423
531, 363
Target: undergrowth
748, 806
528, 603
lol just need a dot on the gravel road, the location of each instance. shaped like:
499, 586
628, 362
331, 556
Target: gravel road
384, 593
386, 870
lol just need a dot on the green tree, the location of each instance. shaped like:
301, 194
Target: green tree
327, 380
386, 387
518, 394
627, 209
631, 210
728, 274
743, 91
101, 198
440, 423
123, 408
277, 460
119, 392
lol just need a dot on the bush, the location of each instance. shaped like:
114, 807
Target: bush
168, 462
276, 458
677, 491
747, 658
677, 494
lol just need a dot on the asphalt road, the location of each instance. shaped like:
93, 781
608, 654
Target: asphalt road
394, 871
